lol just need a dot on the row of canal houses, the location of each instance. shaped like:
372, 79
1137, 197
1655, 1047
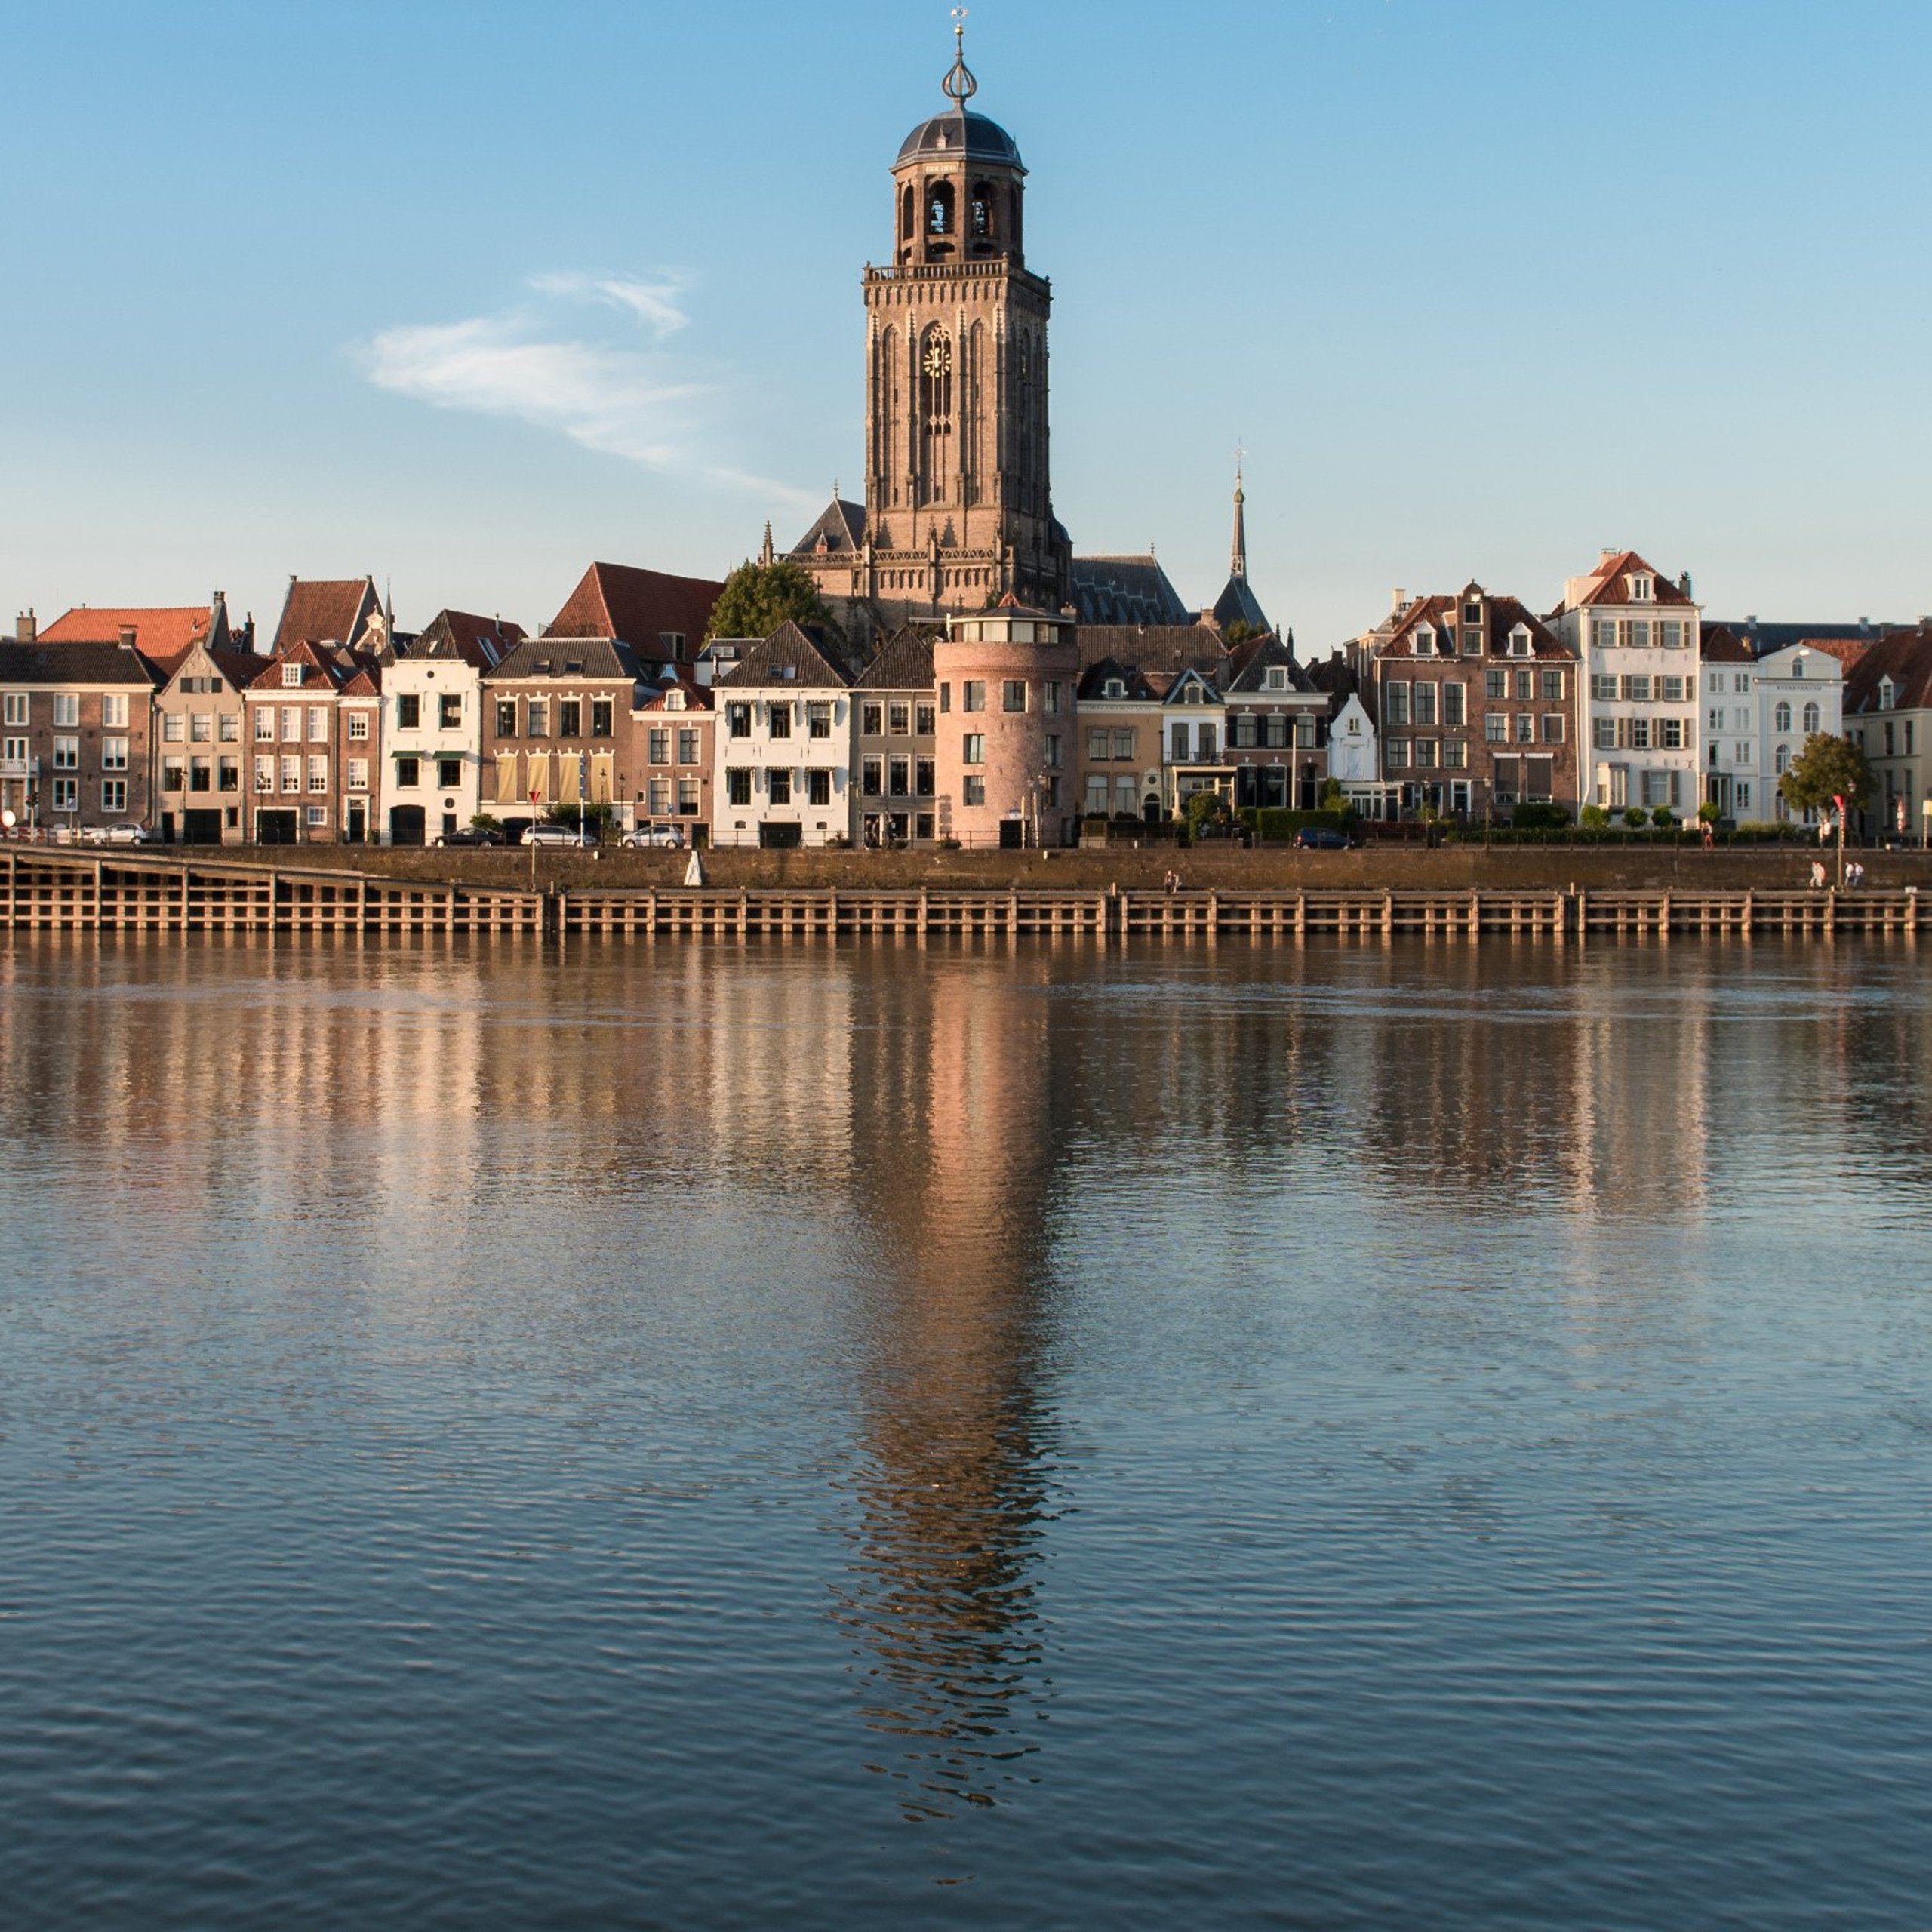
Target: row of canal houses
1006, 726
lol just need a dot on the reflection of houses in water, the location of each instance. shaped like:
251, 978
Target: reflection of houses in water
952, 1160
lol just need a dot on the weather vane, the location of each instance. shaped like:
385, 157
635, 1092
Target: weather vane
959, 84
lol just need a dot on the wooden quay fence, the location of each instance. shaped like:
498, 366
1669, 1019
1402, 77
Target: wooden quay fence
137, 892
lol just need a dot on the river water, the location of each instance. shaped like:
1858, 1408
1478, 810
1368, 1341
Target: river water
880, 1436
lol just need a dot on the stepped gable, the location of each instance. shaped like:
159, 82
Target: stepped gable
326, 610
480, 642
1125, 590
903, 663
640, 607
1905, 658
792, 654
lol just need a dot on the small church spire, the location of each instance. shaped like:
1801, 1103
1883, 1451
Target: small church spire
959, 86
1238, 562
764, 555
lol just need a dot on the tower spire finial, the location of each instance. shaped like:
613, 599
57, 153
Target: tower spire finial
1237, 562
959, 86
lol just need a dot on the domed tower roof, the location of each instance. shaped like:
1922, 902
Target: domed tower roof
946, 136
950, 136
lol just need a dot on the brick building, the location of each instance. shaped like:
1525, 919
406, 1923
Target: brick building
75, 720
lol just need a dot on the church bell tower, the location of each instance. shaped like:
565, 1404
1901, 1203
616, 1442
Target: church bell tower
959, 508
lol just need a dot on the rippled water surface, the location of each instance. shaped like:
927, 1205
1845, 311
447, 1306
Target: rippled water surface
782, 1436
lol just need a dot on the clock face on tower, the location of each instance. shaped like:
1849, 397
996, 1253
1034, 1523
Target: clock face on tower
938, 358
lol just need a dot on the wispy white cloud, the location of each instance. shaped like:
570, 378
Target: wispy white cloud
657, 304
622, 401
546, 362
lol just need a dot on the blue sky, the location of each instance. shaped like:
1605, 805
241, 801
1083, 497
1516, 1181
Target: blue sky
467, 296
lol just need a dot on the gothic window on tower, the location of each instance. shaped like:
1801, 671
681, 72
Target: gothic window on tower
982, 210
939, 208
907, 215
935, 410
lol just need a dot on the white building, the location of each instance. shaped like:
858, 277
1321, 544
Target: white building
1731, 736
1800, 692
1637, 637
1193, 733
1355, 760
431, 752
782, 760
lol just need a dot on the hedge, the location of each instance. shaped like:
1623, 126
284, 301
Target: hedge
1279, 821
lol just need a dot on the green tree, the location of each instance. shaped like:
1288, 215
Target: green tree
1205, 808
758, 598
1827, 768
1239, 632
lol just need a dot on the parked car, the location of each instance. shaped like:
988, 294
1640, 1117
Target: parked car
473, 835
1320, 839
127, 833
549, 833
662, 837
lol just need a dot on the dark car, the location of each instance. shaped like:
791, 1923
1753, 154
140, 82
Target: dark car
1319, 838
472, 835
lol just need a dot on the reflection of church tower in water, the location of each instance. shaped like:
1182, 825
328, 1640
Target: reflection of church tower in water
953, 1145
959, 508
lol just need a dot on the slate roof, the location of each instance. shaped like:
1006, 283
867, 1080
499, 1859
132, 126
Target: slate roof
1905, 657
591, 660
92, 662
1250, 669
1605, 584
1125, 590
480, 642
904, 662
1334, 675
1762, 638
1239, 604
637, 606
1139, 687
1501, 616
945, 135
841, 524
1163, 647
791, 655
326, 610
1718, 644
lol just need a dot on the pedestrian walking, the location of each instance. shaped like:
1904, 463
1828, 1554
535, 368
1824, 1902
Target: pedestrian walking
1817, 874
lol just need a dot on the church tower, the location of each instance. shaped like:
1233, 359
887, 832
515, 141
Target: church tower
959, 508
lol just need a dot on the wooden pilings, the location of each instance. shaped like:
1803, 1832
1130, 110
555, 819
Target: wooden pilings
52, 891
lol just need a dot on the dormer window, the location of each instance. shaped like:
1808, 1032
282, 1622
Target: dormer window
1887, 693
1519, 642
1114, 689
1641, 585
1277, 677
674, 699
1425, 641
291, 675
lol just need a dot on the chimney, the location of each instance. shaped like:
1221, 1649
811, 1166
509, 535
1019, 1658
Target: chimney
1398, 598
1605, 554
127, 635
26, 628
1683, 583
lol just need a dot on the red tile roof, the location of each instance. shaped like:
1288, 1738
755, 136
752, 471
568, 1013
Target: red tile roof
1905, 657
322, 670
1607, 585
1443, 614
637, 608
320, 610
164, 634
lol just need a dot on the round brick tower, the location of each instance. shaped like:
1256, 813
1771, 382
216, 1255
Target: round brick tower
1005, 750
